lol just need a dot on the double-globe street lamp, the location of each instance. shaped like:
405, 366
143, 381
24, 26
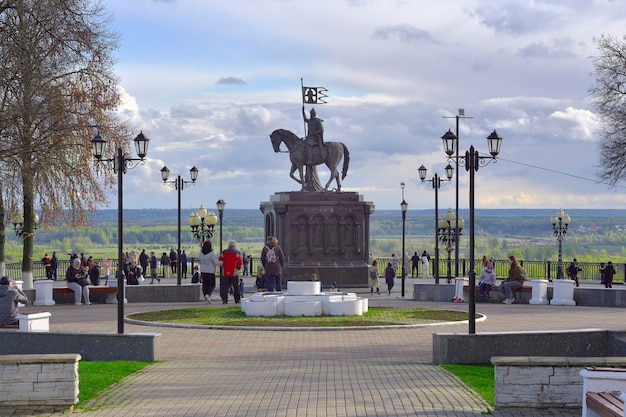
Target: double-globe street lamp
449, 231
436, 182
178, 184
403, 207
472, 160
560, 223
120, 164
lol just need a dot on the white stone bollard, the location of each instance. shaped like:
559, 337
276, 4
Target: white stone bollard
43, 292
112, 298
34, 322
540, 291
563, 292
458, 290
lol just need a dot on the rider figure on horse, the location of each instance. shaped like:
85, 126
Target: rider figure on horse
315, 135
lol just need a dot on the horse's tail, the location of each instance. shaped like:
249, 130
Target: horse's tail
346, 161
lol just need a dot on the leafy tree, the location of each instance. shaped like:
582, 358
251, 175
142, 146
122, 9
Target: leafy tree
56, 87
609, 93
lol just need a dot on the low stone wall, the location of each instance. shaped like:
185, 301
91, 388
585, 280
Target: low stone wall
142, 347
479, 348
46, 382
583, 296
144, 293
543, 382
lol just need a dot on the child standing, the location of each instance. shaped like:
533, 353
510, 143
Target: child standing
241, 287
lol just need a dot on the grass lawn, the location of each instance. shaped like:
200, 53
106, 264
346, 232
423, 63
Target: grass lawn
94, 377
233, 316
480, 378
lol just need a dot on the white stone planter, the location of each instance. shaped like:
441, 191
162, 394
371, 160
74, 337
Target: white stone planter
43, 293
458, 290
540, 291
303, 308
347, 308
563, 292
34, 322
303, 287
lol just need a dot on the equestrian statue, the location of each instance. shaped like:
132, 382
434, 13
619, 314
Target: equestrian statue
310, 152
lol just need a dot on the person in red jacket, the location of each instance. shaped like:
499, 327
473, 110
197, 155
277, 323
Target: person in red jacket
232, 263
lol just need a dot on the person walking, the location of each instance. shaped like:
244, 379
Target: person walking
394, 262
425, 264
514, 282
415, 261
10, 297
165, 263
47, 263
208, 265
231, 264
608, 271
572, 271
374, 283
390, 274
153, 268
54, 264
173, 261
273, 259
144, 260
182, 264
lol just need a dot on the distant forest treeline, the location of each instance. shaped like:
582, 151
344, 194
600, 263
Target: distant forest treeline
593, 235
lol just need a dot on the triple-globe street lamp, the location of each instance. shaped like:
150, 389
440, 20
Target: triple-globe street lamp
436, 182
178, 184
560, 223
202, 224
120, 163
472, 160
18, 224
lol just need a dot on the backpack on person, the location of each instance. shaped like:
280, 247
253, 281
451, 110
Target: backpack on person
270, 255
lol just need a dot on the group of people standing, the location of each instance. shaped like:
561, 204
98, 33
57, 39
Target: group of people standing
232, 261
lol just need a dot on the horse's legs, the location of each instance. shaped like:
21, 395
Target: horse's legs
293, 169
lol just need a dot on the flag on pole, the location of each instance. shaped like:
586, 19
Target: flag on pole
314, 95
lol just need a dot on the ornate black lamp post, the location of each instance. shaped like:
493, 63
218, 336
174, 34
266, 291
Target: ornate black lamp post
560, 223
18, 224
450, 229
220, 209
461, 115
436, 181
472, 160
403, 207
120, 164
202, 224
178, 184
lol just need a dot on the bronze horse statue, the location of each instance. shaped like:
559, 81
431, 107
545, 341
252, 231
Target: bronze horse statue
334, 152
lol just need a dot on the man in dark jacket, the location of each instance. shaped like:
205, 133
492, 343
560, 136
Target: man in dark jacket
273, 259
10, 296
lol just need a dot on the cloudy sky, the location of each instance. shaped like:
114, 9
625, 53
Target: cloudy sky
208, 81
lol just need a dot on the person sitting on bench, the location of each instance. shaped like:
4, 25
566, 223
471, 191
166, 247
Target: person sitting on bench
10, 296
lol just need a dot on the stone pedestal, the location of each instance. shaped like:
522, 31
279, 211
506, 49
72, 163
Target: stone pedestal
458, 289
563, 293
43, 293
540, 291
20, 284
34, 322
323, 233
112, 298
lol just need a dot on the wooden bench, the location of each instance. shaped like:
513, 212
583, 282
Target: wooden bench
524, 289
111, 291
9, 326
605, 404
